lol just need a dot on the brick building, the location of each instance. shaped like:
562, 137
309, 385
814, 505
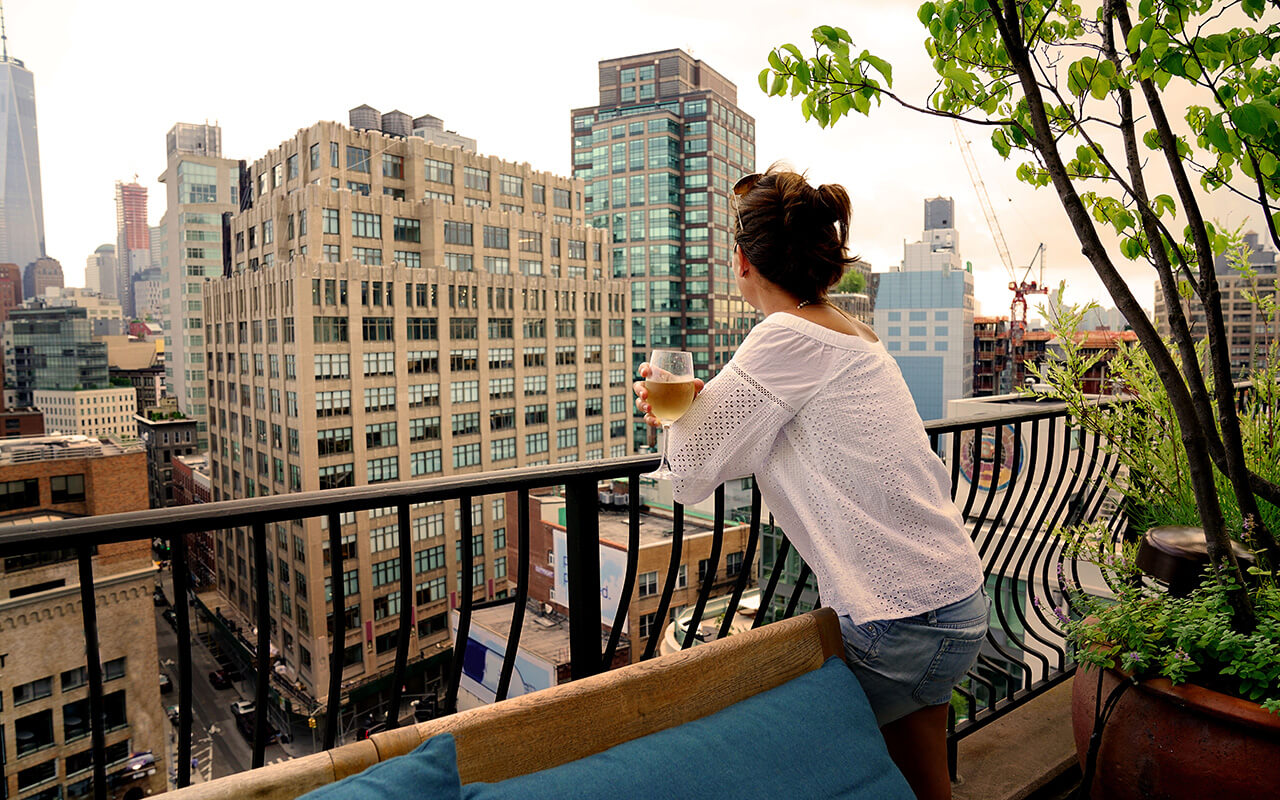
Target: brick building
191, 485
547, 535
45, 715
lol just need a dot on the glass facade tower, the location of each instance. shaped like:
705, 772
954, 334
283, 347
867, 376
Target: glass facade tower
21, 204
659, 156
50, 348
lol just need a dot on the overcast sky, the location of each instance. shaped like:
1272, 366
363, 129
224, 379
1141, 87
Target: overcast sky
112, 78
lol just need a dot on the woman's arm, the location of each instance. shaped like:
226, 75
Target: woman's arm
735, 420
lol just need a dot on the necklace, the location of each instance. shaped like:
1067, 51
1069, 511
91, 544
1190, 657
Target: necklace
804, 303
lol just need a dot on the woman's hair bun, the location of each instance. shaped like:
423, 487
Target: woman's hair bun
794, 234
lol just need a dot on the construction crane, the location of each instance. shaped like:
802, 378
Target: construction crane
1018, 284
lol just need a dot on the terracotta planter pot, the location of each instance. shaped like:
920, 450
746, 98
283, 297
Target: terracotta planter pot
1165, 742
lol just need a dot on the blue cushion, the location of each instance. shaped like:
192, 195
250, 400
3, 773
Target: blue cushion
429, 772
814, 736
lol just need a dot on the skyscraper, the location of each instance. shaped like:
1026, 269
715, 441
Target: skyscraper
21, 204
924, 313
41, 274
133, 240
200, 186
659, 156
100, 270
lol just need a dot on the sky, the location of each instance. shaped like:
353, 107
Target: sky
112, 78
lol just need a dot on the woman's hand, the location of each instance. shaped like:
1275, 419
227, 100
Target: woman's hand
642, 395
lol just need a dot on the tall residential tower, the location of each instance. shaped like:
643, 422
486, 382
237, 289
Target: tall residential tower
200, 186
659, 156
133, 241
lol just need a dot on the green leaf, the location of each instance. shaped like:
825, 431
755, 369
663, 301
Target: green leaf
882, 66
1216, 134
1134, 40
1248, 119
775, 61
926, 13
764, 80
793, 50
779, 85
1099, 87
1268, 164
802, 71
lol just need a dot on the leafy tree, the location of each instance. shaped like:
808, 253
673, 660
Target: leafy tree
1076, 95
852, 282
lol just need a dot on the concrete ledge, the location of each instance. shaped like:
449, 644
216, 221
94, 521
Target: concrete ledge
1024, 752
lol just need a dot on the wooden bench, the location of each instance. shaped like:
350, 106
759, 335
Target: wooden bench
573, 720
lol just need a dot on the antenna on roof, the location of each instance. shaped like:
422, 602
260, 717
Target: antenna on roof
4, 40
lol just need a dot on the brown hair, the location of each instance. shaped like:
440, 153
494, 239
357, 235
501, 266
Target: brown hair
794, 234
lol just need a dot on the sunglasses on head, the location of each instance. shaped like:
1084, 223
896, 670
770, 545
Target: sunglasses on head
745, 184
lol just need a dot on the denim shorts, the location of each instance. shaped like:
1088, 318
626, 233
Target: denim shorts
914, 662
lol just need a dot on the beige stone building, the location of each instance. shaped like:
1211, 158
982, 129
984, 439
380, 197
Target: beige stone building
1249, 332
43, 677
90, 412
96, 306
399, 310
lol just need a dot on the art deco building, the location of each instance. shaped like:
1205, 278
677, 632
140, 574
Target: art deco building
397, 309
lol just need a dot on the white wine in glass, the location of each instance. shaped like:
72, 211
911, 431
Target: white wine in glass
671, 390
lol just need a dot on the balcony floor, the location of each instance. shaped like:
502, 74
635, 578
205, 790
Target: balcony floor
1027, 754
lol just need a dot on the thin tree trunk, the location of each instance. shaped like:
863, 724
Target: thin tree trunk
1200, 465
1237, 469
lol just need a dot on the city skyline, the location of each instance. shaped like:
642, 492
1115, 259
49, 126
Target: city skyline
889, 164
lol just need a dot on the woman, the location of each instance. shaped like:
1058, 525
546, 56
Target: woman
815, 408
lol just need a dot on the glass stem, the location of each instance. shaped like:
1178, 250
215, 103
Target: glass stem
664, 464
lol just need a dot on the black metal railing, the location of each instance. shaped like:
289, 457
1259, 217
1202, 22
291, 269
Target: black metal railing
1017, 473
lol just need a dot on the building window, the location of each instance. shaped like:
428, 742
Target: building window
357, 159
368, 226
647, 583
457, 232
67, 488
425, 463
647, 624
475, 178
33, 690
19, 494
437, 171
329, 220
511, 185
392, 166
406, 230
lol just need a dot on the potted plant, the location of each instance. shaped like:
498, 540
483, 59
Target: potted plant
1083, 96
1208, 693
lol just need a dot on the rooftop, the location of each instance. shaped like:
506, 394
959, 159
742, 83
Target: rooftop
59, 446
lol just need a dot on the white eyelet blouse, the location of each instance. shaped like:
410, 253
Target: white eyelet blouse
825, 422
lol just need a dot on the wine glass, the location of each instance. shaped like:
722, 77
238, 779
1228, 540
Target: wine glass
671, 389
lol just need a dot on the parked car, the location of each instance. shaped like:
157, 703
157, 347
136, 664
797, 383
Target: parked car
245, 724
170, 617
159, 598
172, 713
166, 685
242, 708
223, 678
